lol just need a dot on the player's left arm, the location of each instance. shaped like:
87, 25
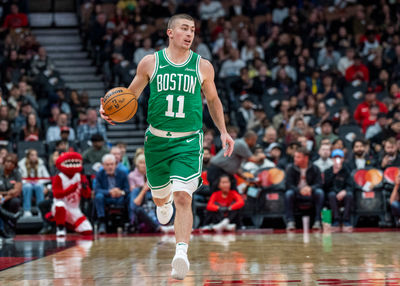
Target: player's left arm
215, 105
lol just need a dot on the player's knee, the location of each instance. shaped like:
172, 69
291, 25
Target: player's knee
182, 199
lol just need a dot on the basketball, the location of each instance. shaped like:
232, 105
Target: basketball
120, 104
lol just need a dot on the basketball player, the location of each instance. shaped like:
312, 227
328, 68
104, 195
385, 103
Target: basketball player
174, 140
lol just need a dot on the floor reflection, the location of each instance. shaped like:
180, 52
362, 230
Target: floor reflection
244, 259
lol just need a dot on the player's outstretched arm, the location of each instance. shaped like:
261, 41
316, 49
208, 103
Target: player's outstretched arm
215, 105
143, 73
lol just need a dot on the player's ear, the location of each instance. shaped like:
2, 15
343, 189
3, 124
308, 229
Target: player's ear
169, 33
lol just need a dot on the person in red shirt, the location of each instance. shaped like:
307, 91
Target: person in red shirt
15, 19
362, 112
358, 71
223, 207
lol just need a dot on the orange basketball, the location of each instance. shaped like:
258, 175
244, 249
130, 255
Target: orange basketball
120, 104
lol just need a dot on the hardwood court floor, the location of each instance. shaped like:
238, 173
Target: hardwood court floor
362, 258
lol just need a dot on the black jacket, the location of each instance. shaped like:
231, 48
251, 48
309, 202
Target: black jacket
351, 163
313, 177
337, 182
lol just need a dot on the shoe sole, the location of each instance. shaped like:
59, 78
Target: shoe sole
181, 268
170, 219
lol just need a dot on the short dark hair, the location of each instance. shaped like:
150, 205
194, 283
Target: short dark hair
303, 151
172, 20
362, 141
97, 137
250, 134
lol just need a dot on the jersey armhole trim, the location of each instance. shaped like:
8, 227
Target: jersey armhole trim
198, 72
155, 66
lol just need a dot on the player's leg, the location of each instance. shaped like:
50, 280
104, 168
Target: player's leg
59, 212
158, 175
183, 224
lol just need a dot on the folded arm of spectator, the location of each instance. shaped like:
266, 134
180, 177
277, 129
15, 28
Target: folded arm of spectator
238, 202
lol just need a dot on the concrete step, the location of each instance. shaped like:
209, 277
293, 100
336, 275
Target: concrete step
64, 48
96, 93
86, 85
59, 39
74, 70
56, 55
55, 32
125, 133
46, 19
81, 77
72, 62
128, 141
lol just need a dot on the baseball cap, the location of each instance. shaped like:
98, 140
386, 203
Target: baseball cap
337, 153
272, 146
64, 129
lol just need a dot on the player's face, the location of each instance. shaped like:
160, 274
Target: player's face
182, 34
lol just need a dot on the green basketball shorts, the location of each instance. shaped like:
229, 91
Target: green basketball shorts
173, 161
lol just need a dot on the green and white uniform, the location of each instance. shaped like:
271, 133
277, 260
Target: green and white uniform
174, 140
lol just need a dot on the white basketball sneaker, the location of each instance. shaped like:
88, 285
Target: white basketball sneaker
165, 213
61, 231
180, 265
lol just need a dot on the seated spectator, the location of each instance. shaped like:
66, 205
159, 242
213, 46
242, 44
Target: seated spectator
41, 62
326, 132
5, 132
93, 126
54, 132
232, 66
303, 184
379, 129
346, 61
207, 155
96, 152
34, 175
221, 165
223, 208
141, 52
116, 151
15, 19
390, 156
112, 187
362, 111
137, 177
24, 110
324, 161
125, 159
338, 188
359, 158
251, 50
357, 71
275, 155
31, 130
270, 136
10, 192
395, 201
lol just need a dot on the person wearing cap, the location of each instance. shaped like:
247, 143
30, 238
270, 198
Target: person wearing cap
363, 109
245, 113
96, 152
338, 188
54, 132
303, 184
276, 156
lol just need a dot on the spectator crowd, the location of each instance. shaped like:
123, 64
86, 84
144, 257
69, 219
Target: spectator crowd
308, 87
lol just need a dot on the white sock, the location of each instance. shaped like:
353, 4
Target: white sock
182, 246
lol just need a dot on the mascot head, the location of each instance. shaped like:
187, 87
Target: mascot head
69, 163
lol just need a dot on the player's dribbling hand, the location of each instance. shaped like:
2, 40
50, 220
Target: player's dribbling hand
103, 114
227, 144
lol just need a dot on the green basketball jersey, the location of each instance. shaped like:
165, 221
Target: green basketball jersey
175, 99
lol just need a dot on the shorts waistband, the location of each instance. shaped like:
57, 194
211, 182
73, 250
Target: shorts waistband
169, 134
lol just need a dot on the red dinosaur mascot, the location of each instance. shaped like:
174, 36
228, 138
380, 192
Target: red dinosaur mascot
68, 187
